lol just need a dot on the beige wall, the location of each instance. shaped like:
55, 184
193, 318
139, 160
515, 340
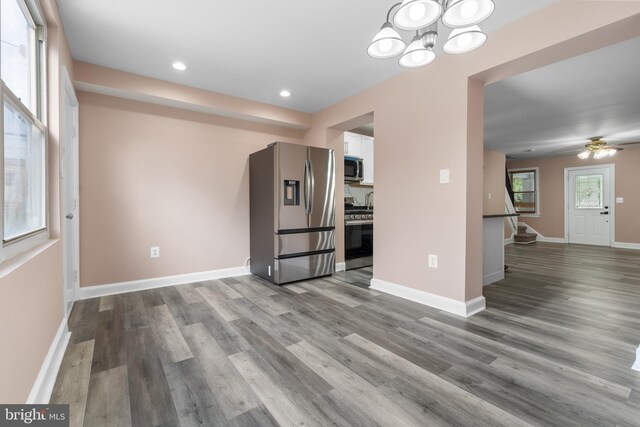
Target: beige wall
493, 183
31, 305
551, 220
431, 119
157, 176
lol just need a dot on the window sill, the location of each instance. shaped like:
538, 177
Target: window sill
13, 263
529, 215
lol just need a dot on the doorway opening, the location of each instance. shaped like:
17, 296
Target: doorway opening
354, 142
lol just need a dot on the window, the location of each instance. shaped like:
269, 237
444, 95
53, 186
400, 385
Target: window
23, 143
524, 183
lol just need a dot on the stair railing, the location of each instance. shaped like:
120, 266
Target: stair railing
510, 209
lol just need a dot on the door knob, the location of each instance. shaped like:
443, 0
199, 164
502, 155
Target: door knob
604, 213
69, 216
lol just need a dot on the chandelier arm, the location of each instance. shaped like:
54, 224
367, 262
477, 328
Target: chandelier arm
391, 8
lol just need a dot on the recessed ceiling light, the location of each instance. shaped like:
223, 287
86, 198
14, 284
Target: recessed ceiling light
285, 94
179, 66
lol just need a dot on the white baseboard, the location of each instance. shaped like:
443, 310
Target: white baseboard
509, 240
464, 309
46, 379
540, 237
341, 266
543, 239
636, 365
159, 282
493, 277
623, 245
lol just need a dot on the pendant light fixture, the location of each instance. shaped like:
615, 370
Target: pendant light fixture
419, 53
387, 43
463, 40
415, 14
465, 13
423, 16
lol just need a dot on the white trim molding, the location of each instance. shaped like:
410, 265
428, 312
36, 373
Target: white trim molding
543, 239
509, 240
461, 308
341, 266
636, 365
46, 379
540, 237
623, 245
159, 282
536, 169
493, 277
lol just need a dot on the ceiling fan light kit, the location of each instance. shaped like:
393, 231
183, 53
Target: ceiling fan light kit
423, 15
599, 149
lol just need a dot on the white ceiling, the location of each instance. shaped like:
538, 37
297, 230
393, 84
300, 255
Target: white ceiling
554, 109
251, 49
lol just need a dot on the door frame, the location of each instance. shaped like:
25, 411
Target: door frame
612, 196
69, 92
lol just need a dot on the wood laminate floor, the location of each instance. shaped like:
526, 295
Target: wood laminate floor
554, 347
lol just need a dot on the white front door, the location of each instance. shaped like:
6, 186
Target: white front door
69, 176
589, 202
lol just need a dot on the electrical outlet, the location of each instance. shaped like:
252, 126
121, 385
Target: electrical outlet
619, 199
155, 252
489, 196
433, 261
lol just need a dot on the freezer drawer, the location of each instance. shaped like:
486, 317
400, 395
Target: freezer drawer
298, 243
304, 267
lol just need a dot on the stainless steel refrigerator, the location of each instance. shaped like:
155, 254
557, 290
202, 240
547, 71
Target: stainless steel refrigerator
292, 194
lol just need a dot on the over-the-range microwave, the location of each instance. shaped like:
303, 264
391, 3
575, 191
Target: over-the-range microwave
353, 169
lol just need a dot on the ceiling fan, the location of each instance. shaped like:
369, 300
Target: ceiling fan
599, 148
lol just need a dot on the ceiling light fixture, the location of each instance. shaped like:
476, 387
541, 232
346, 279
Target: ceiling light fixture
285, 93
598, 148
179, 66
415, 15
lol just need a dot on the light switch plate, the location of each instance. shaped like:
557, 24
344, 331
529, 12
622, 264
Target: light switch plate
444, 176
619, 199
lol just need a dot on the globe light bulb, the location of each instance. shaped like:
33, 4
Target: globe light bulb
385, 45
418, 56
469, 9
417, 11
464, 40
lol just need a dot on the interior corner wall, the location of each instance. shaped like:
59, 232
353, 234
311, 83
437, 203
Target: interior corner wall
550, 223
158, 176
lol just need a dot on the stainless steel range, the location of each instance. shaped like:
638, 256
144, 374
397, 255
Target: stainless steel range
358, 237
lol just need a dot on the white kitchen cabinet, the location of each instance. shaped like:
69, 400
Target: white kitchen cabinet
352, 144
367, 160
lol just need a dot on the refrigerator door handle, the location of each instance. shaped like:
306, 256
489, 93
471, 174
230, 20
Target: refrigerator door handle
312, 186
307, 187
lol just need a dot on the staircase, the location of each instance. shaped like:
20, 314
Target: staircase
522, 237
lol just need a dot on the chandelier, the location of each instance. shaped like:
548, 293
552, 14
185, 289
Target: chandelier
422, 17
598, 148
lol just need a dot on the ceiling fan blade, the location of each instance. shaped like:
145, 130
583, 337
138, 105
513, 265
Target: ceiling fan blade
628, 143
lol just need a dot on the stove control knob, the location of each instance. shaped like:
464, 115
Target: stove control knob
370, 216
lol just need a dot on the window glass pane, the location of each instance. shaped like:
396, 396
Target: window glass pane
24, 174
18, 53
525, 202
589, 192
524, 181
